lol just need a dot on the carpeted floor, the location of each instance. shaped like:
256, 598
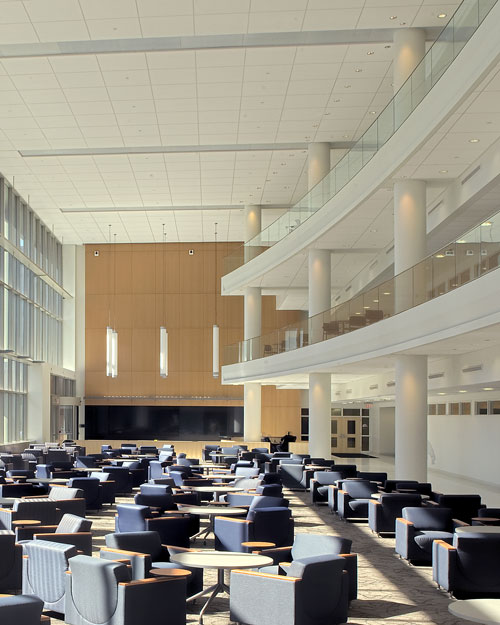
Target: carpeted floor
389, 589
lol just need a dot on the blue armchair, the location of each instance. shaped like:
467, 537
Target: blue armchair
463, 507
314, 590
145, 552
122, 478
261, 524
382, 514
419, 527
320, 483
353, 499
308, 545
92, 491
173, 530
44, 571
469, 566
71, 530
10, 563
23, 609
102, 593
39, 509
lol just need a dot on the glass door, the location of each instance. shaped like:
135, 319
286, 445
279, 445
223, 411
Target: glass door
346, 435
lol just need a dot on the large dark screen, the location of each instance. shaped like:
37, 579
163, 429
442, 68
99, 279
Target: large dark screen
163, 422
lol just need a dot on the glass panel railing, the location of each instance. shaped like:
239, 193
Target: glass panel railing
438, 58
472, 255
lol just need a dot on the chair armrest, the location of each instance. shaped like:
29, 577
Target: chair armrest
123, 552
267, 575
459, 523
278, 554
404, 521
224, 518
444, 545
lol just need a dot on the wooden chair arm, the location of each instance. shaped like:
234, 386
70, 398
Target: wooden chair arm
348, 555
446, 545
123, 551
233, 520
268, 575
405, 521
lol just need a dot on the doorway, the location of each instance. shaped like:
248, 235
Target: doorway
346, 435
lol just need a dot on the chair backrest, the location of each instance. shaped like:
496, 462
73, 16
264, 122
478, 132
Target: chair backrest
430, 519
87, 462
229, 450
20, 608
267, 501
359, 489
306, 545
393, 503
47, 566
261, 450
321, 586
270, 490
272, 525
94, 587
156, 489
131, 465
131, 517
44, 470
324, 478
164, 501
155, 469
89, 486
140, 542
58, 493
247, 471
477, 558
8, 551
464, 507
28, 473
349, 470
390, 485
42, 510
374, 476
70, 524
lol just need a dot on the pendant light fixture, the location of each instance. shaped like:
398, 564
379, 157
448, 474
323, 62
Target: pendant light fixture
215, 328
163, 328
111, 333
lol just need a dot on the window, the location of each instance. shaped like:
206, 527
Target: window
481, 407
455, 408
465, 408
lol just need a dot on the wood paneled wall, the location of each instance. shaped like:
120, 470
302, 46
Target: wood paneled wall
136, 288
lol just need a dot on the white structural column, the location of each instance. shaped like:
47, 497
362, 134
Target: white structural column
410, 247
320, 401
252, 327
252, 217
320, 392
411, 418
80, 335
318, 163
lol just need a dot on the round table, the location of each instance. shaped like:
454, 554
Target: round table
485, 520
257, 544
25, 522
220, 560
170, 573
210, 511
478, 529
485, 611
216, 490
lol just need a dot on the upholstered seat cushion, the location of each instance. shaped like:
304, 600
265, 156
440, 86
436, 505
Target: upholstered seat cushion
323, 490
425, 539
359, 506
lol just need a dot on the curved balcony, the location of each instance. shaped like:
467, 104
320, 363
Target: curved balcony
473, 255
462, 26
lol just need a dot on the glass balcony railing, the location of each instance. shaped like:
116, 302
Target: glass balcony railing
438, 58
469, 257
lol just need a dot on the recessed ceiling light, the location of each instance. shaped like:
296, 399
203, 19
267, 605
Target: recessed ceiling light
386, 293
488, 388
375, 301
441, 393
373, 112
443, 171
461, 241
473, 140
347, 86
346, 136
393, 17
358, 69
441, 15
439, 255
402, 23
366, 307
487, 223
370, 52
358, 313
462, 391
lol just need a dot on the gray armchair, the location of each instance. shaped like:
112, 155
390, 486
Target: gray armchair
69, 500
468, 567
44, 571
71, 530
42, 510
102, 593
314, 590
20, 610
309, 545
382, 514
10, 562
353, 499
419, 527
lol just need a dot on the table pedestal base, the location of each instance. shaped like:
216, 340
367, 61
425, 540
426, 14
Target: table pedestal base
214, 590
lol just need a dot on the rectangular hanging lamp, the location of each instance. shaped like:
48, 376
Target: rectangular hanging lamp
109, 350
215, 351
163, 352
114, 354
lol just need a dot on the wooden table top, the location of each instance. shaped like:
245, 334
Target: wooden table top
170, 572
26, 522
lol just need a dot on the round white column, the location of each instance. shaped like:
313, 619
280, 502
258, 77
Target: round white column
410, 223
320, 400
411, 418
252, 327
252, 227
252, 431
319, 281
318, 162
409, 49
